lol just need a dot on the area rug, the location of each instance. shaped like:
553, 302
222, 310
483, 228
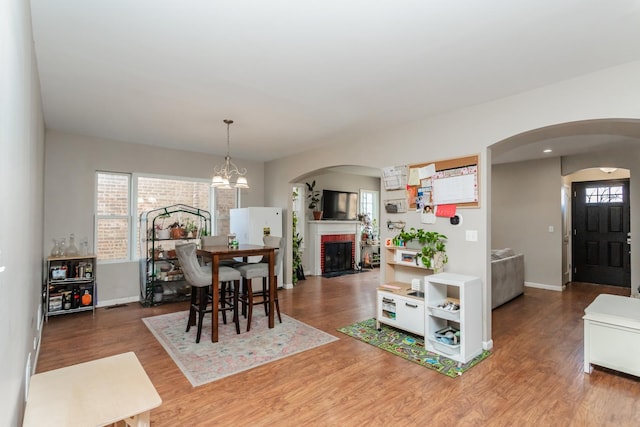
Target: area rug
205, 362
409, 347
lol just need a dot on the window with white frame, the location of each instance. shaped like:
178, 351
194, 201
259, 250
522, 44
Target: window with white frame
369, 204
113, 218
117, 228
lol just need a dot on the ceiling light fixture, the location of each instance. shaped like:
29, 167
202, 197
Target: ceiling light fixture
222, 175
608, 170
548, 150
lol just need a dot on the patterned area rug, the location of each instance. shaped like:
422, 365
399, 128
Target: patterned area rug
408, 346
205, 362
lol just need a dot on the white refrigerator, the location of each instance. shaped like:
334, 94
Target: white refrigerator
251, 224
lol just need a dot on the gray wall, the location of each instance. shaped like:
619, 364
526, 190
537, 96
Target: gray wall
21, 187
71, 163
525, 202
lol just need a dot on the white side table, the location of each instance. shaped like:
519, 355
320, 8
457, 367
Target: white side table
612, 334
95, 393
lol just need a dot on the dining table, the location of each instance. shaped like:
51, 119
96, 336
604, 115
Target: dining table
244, 251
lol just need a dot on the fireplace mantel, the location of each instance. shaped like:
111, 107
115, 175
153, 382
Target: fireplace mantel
317, 229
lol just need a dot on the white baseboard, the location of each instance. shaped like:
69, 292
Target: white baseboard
558, 288
110, 302
487, 345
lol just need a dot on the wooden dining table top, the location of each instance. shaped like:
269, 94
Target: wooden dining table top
241, 250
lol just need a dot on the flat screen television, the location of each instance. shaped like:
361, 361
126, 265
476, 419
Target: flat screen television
339, 205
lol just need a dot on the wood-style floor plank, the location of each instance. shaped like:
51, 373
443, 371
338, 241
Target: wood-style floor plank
533, 377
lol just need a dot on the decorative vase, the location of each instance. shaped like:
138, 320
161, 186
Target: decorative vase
413, 244
437, 263
177, 233
86, 298
55, 251
72, 249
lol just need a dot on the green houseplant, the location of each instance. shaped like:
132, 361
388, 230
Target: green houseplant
313, 196
431, 245
434, 254
297, 271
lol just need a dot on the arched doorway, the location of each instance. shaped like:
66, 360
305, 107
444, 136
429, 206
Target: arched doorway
347, 178
571, 147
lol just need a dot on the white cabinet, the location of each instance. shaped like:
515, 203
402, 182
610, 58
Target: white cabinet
400, 307
456, 334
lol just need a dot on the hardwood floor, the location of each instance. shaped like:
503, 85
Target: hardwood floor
533, 377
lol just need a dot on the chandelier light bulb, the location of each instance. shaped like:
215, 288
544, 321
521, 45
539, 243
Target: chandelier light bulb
223, 174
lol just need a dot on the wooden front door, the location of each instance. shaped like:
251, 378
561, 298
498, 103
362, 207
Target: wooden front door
601, 252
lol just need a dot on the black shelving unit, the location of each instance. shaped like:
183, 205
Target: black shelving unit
161, 279
71, 285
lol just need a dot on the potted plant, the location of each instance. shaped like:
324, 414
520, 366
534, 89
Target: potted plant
314, 200
177, 230
161, 232
433, 254
298, 273
431, 244
191, 228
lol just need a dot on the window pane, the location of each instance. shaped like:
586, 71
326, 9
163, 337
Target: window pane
113, 194
113, 239
156, 193
612, 194
225, 201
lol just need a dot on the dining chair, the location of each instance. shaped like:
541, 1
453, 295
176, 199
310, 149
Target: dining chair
260, 270
199, 278
218, 240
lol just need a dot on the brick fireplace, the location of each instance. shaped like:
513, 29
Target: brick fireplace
337, 252
322, 232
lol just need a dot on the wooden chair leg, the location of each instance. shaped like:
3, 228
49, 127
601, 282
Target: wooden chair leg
245, 286
202, 306
236, 316
249, 305
265, 296
223, 301
192, 309
276, 301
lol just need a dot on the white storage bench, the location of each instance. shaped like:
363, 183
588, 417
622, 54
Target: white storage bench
612, 334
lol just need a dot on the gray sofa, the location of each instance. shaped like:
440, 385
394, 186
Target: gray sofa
507, 276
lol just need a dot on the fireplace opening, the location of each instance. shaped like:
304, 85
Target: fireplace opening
337, 256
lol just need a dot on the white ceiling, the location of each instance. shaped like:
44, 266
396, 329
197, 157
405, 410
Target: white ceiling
294, 73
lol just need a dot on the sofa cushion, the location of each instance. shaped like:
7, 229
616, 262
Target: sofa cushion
501, 253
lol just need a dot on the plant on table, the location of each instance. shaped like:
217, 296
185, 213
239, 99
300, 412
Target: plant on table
313, 196
433, 253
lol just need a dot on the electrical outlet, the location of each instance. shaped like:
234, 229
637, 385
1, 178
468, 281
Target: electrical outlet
471, 235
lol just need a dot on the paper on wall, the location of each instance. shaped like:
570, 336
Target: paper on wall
427, 171
414, 178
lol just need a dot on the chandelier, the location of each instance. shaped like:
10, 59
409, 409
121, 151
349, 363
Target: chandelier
222, 175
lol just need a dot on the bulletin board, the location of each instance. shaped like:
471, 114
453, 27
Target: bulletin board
455, 181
